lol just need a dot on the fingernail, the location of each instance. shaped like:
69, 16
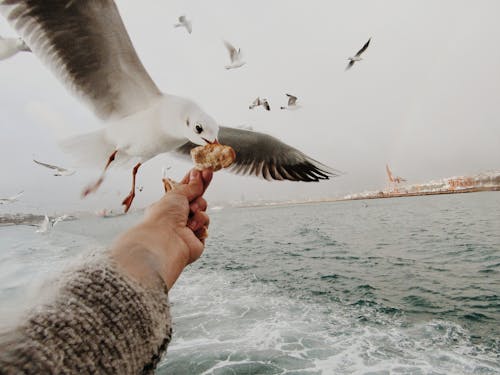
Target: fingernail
194, 207
193, 225
194, 174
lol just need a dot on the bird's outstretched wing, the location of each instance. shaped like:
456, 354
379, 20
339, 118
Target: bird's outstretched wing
86, 45
267, 157
291, 99
50, 166
363, 49
233, 53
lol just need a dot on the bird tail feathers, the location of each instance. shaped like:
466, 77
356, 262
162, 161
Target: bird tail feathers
92, 149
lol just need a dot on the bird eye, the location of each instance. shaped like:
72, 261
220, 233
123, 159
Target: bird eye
198, 128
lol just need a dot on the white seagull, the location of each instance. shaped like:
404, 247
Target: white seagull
12, 199
184, 22
44, 226
58, 219
235, 56
97, 61
292, 103
59, 171
10, 46
260, 102
357, 56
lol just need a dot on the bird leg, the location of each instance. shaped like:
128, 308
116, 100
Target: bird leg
93, 187
127, 202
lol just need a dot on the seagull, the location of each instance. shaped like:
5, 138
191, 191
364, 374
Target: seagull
235, 56
59, 171
12, 199
98, 62
292, 103
59, 219
357, 57
44, 226
263, 102
184, 22
10, 46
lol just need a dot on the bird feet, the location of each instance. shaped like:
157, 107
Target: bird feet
127, 202
92, 188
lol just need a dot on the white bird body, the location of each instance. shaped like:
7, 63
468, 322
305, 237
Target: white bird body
11, 46
157, 129
235, 56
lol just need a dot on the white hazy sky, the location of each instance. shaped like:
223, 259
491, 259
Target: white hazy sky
425, 99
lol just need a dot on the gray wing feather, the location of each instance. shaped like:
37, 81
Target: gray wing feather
86, 45
267, 157
363, 48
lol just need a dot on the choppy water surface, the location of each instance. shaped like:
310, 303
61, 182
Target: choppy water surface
400, 286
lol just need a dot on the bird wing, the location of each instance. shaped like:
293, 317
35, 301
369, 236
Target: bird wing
182, 19
291, 99
189, 26
349, 66
266, 105
49, 165
363, 48
233, 53
267, 157
87, 47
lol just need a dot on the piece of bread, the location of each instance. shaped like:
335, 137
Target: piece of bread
214, 155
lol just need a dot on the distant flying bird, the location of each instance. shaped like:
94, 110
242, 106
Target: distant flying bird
12, 199
235, 55
10, 46
260, 102
292, 102
59, 171
184, 22
59, 219
44, 226
357, 57
98, 61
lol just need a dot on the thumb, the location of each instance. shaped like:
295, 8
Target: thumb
193, 188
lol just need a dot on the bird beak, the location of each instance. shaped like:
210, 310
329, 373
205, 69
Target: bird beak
215, 142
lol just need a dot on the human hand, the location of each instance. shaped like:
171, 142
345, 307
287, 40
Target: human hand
172, 234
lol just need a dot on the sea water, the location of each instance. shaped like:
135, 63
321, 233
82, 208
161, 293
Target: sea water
394, 286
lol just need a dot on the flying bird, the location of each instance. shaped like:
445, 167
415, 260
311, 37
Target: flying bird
235, 56
357, 56
184, 22
292, 103
59, 171
98, 62
260, 102
45, 226
11, 46
12, 199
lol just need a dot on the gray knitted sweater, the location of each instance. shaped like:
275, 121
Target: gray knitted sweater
101, 322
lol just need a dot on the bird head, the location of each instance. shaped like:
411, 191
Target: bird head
201, 128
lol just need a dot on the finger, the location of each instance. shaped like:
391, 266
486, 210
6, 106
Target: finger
199, 220
192, 189
206, 175
199, 204
202, 234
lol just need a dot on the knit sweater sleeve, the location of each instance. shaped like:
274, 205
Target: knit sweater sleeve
101, 321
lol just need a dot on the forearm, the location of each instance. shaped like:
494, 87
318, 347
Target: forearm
101, 321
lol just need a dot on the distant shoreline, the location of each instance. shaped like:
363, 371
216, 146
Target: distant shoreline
379, 195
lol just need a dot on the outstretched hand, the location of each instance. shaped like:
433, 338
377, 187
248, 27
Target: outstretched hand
172, 234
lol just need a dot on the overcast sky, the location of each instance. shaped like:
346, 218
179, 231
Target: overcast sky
425, 99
